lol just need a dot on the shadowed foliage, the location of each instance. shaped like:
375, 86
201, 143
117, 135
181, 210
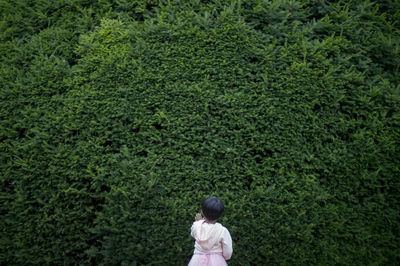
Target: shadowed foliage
119, 117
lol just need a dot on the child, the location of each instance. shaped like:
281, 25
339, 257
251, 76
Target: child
213, 243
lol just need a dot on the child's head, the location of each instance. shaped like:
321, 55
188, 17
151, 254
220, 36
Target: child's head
212, 208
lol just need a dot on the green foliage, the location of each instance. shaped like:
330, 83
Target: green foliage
118, 117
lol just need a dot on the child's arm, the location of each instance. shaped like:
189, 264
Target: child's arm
198, 217
226, 241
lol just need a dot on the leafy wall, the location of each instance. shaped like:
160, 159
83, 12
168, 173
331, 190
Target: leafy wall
118, 117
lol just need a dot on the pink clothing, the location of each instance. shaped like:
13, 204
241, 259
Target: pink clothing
213, 244
207, 260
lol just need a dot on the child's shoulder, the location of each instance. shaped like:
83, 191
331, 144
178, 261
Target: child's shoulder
222, 226
199, 221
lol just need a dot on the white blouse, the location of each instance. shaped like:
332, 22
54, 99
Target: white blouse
211, 238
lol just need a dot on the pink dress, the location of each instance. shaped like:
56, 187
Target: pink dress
213, 244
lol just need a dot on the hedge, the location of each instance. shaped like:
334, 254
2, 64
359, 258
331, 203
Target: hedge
118, 117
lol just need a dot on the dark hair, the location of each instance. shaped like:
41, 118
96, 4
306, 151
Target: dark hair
212, 208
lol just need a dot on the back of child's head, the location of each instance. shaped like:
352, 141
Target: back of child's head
212, 208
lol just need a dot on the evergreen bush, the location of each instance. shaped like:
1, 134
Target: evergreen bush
119, 117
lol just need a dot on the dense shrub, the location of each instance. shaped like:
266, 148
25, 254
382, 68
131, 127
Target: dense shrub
119, 117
